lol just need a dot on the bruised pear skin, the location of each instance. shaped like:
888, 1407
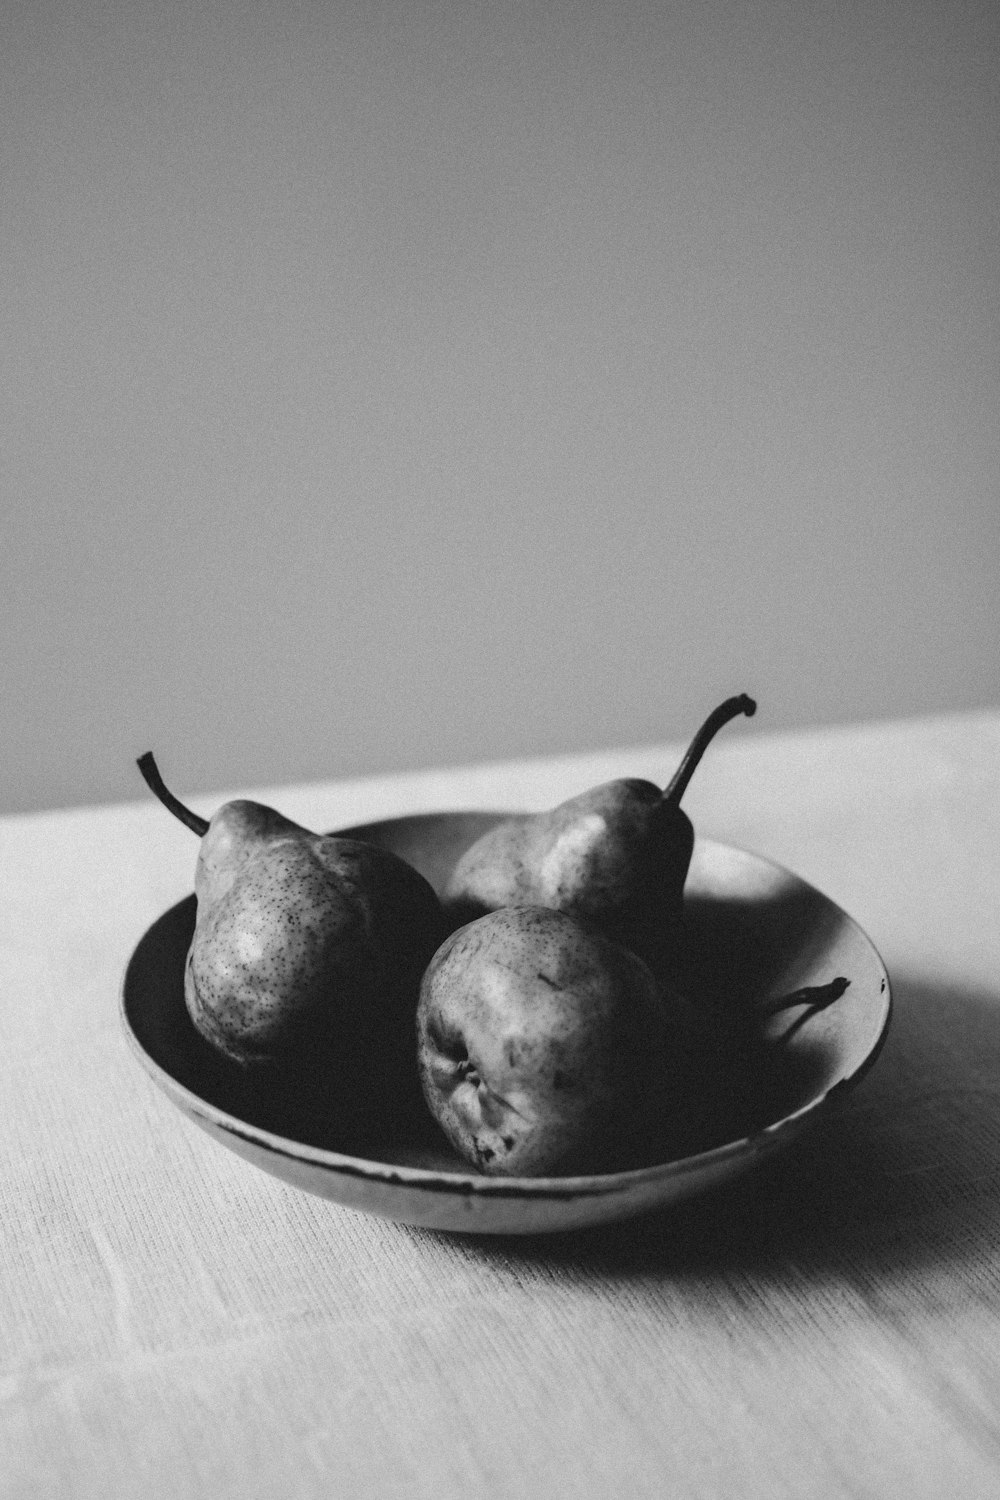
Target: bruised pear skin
306, 945
540, 1044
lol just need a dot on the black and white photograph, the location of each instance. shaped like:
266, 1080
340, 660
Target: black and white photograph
499, 750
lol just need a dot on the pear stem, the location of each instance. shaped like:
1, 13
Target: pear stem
722, 715
151, 775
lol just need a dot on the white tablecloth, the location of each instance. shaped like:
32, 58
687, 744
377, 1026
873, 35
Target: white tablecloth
175, 1323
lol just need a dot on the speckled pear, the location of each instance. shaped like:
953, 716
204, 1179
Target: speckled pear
304, 943
616, 855
542, 1045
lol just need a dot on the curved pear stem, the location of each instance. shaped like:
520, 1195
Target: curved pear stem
722, 715
151, 775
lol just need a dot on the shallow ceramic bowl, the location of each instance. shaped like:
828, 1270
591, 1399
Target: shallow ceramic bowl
758, 934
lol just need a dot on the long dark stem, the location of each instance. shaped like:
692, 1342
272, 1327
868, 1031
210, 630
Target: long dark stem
722, 715
151, 775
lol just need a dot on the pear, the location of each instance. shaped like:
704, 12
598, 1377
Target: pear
616, 855
307, 947
544, 1047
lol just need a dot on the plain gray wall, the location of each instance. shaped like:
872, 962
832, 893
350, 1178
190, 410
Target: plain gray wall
397, 384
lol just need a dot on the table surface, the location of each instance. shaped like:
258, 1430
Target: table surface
177, 1323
